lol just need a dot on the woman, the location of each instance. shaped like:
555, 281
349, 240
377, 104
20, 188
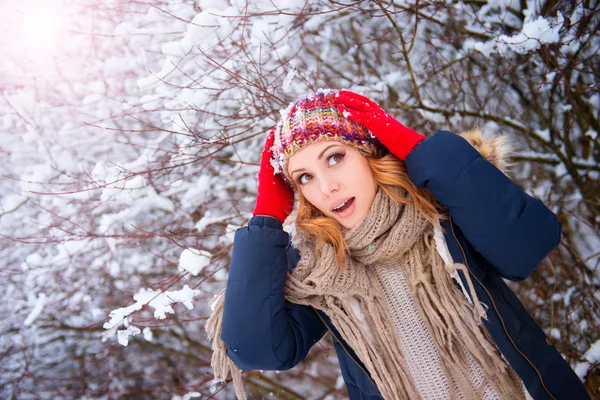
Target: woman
400, 247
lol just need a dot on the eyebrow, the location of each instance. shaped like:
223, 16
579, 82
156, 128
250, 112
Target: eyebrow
318, 158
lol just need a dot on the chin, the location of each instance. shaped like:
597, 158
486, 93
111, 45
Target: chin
350, 223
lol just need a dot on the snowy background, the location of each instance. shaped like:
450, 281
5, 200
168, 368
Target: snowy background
130, 138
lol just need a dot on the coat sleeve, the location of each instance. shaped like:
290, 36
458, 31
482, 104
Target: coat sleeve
260, 328
511, 229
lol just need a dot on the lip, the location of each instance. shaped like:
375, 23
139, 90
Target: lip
348, 212
338, 202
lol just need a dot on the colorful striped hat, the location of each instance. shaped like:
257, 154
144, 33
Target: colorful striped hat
316, 119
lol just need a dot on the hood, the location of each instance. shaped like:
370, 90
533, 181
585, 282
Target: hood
496, 149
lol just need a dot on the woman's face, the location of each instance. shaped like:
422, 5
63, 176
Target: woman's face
336, 179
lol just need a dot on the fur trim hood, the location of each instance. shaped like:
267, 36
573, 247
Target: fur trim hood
496, 149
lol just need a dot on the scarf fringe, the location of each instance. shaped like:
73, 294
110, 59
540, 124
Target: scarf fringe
352, 298
220, 362
463, 333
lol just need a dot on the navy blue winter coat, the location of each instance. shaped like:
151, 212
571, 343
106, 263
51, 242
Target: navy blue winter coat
494, 228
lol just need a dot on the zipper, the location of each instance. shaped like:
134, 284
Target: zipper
344, 347
497, 312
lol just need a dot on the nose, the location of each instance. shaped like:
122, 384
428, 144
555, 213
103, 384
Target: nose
328, 185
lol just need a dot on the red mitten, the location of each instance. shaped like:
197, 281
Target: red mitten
399, 139
275, 198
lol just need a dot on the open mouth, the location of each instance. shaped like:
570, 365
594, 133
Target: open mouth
344, 206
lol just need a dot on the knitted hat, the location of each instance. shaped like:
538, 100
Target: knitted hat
316, 119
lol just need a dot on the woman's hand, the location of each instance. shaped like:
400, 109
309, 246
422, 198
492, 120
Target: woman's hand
399, 139
275, 198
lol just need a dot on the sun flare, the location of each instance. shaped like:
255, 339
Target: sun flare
40, 28
32, 29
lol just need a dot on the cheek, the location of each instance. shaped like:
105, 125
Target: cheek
367, 183
311, 194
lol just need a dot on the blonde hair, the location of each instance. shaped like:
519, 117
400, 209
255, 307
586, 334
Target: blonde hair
391, 176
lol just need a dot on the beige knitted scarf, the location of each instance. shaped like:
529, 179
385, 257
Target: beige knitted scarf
352, 298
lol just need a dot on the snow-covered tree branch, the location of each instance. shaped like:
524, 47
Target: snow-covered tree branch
131, 136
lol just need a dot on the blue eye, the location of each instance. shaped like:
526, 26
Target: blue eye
335, 158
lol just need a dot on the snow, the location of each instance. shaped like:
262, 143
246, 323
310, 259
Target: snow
10, 202
213, 302
592, 134
37, 310
204, 31
194, 261
125, 29
555, 333
209, 219
147, 334
130, 149
533, 35
196, 193
533, 154
568, 294
118, 316
123, 335
288, 80
229, 233
187, 396
220, 5
592, 355
161, 301
485, 48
